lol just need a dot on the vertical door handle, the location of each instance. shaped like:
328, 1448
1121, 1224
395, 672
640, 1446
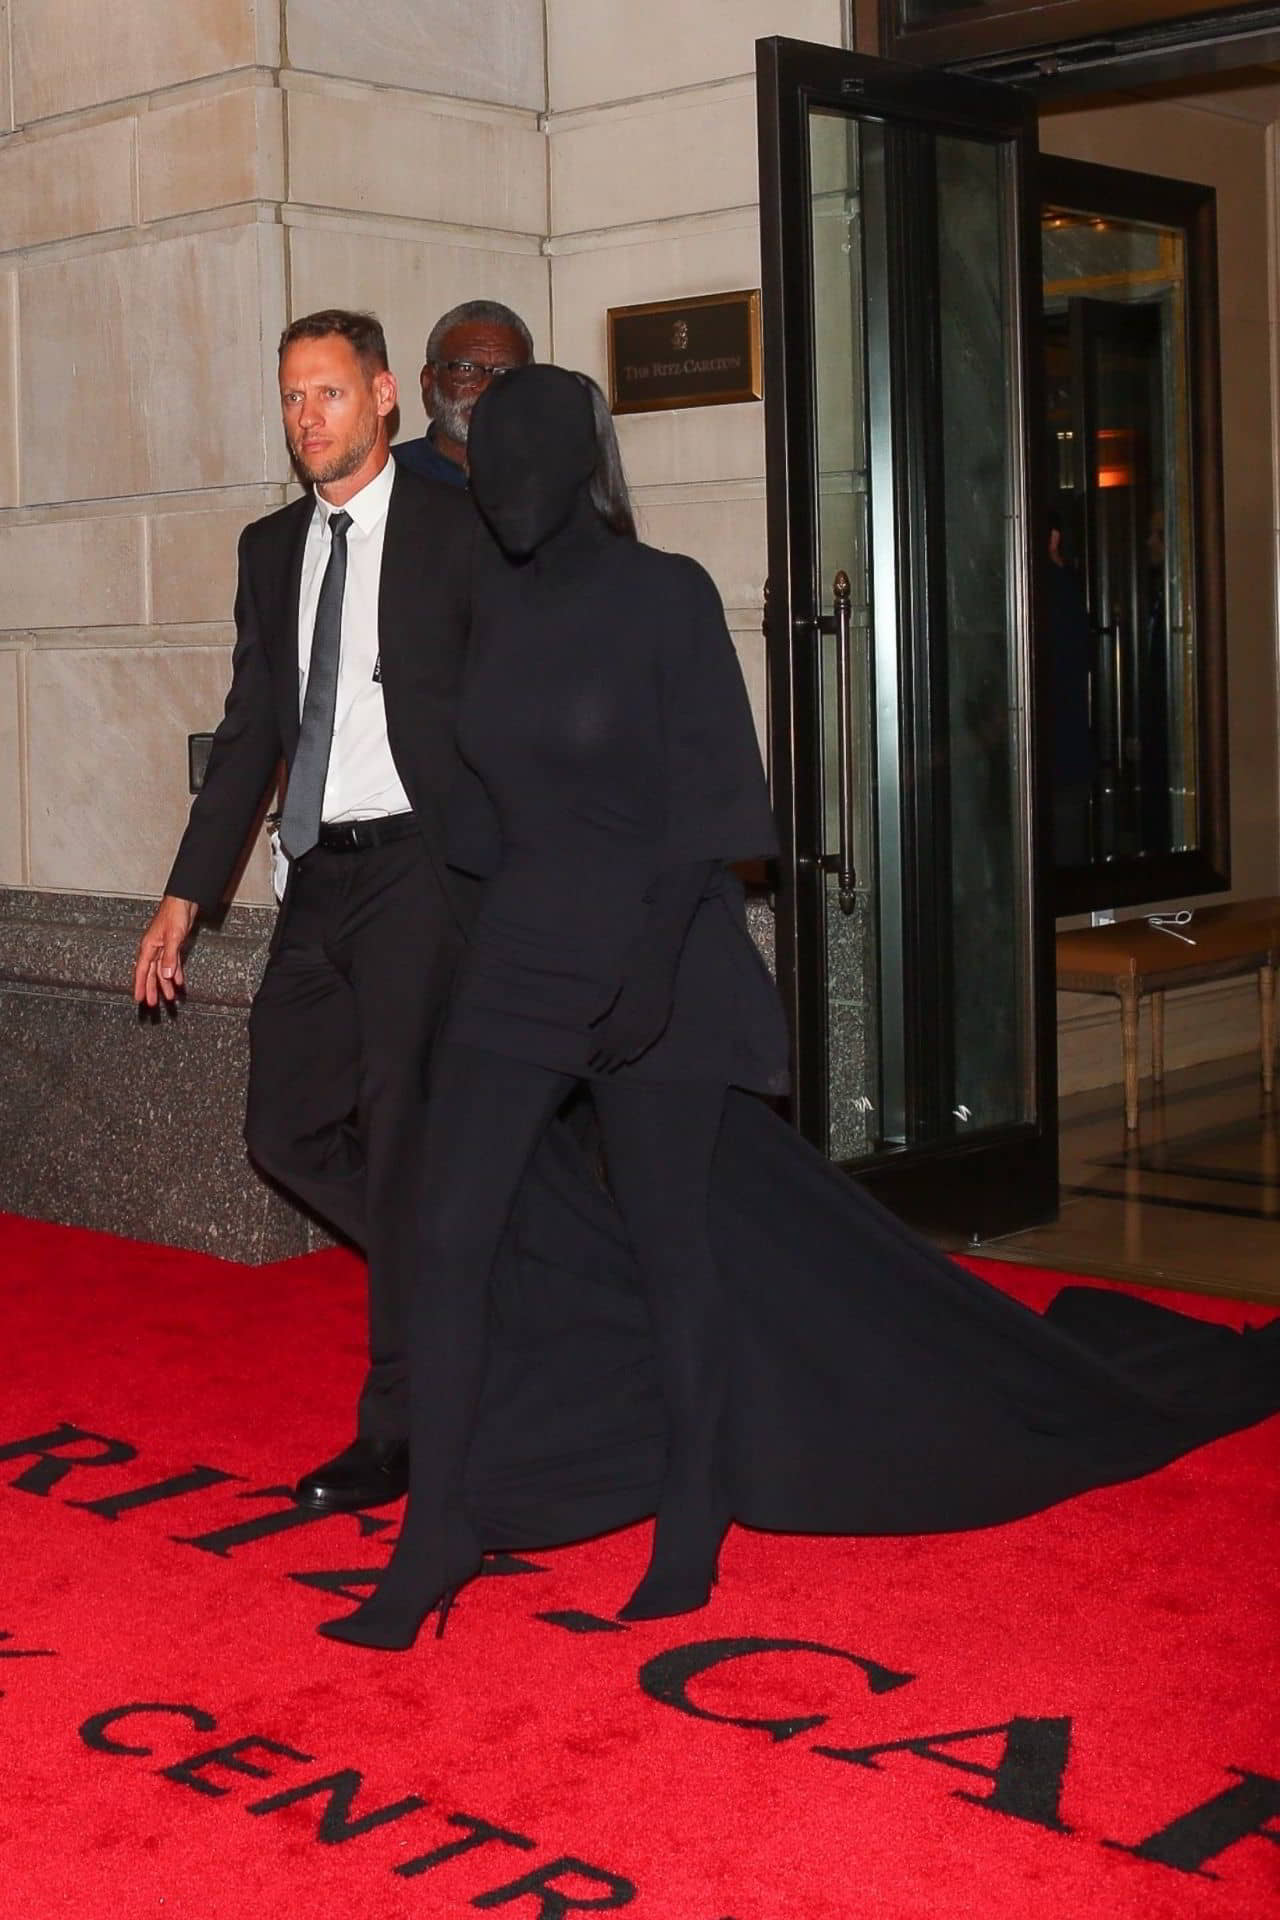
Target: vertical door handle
840, 623
842, 627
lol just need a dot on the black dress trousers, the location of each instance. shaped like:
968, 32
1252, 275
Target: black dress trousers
339, 1034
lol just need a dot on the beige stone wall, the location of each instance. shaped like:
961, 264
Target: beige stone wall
174, 188
136, 169
1238, 157
176, 181
654, 196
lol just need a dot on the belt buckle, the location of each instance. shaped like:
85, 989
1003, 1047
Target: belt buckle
353, 836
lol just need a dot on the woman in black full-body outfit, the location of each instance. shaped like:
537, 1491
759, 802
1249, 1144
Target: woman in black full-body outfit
613, 774
803, 1360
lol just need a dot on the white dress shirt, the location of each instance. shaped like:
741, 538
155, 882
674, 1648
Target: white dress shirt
362, 781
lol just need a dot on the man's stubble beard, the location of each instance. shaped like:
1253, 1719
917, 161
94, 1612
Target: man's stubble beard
340, 466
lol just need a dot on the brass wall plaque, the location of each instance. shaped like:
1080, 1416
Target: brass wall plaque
685, 353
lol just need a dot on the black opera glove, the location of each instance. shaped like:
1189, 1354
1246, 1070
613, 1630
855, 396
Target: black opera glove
639, 1013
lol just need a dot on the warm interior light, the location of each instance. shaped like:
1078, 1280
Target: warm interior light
1114, 455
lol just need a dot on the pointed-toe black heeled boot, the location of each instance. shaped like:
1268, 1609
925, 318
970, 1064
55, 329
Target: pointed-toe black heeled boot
409, 1592
661, 1595
683, 1566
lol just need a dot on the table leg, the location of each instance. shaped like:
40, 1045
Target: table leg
1267, 1024
1129, 1046
1157, 1035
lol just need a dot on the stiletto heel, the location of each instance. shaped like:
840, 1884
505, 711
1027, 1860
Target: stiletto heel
393, 1616
443, 1607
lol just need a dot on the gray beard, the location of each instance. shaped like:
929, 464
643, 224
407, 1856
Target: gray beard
453, 417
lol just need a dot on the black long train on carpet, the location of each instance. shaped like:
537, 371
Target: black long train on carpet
875, 1386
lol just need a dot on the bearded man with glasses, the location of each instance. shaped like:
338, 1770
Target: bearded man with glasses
469, 347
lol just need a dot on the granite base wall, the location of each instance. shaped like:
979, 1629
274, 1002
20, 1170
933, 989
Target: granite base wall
122, 1121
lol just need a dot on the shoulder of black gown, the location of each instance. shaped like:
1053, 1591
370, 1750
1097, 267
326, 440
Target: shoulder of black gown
718, 799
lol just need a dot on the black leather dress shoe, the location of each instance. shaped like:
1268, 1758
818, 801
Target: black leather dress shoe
365, 1474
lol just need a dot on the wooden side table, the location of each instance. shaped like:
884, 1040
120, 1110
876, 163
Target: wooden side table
1131, 958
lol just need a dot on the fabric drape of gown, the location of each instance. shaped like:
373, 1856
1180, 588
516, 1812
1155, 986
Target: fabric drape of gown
875, 1385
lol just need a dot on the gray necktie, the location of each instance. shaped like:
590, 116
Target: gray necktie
300, 822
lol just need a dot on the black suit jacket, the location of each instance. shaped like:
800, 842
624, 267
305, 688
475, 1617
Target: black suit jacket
431, 546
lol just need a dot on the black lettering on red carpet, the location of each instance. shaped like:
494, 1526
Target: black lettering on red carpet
191, 1772
338, 1790
1026, 1784
554, 1900
357, 1583
173, 1488
94, 1730
47, 1449
571, 1620
480, 1833
1242, 1812
511, 1563
1023, 1779
224, 1540
1026, 1781
667, 1678
346, 1583
565, 1885
23, 1653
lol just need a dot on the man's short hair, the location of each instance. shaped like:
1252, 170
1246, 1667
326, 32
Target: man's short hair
362, 331
491, 311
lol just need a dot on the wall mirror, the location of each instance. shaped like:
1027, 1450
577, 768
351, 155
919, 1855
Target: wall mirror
1134, 590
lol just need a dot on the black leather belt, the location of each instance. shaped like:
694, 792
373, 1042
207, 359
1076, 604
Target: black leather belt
353, 836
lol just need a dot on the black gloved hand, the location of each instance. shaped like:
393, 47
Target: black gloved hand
639, 1013
636, 1018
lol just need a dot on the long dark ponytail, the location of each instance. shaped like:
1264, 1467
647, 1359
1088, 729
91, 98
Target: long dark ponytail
610, 495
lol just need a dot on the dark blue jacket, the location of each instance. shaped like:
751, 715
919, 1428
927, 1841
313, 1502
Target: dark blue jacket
423, 457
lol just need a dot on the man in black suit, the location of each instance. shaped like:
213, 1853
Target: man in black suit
351, 619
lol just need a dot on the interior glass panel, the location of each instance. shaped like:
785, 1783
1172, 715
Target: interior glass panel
1122, 601
986, 703
922, 733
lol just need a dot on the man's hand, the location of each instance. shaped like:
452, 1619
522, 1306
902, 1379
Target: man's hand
159, 970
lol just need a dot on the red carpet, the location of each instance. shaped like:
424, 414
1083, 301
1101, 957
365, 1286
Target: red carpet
1071, 1716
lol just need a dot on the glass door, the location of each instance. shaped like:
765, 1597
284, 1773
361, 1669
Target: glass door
900, 267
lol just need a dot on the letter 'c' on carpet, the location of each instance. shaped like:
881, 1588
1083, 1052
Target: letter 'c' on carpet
1070, 1715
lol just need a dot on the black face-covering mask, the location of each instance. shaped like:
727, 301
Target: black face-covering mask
531, 452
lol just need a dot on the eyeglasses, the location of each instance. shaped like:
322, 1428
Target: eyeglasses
471, 371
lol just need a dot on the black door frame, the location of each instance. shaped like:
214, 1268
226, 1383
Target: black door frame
1007, 1177
1083, 48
